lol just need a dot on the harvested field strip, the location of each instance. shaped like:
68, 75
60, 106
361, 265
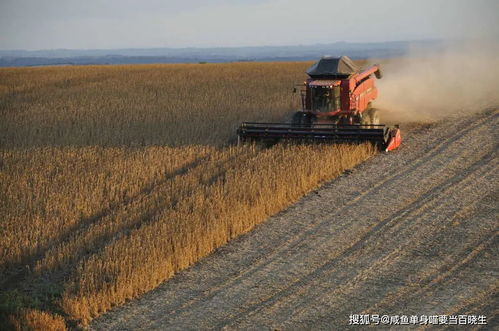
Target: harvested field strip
391, 260
481, 302
433, 275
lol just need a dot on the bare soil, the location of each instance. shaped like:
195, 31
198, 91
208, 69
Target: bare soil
409, 232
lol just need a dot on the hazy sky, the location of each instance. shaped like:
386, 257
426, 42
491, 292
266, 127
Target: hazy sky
83, 24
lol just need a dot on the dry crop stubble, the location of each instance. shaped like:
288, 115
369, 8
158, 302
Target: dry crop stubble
116, 177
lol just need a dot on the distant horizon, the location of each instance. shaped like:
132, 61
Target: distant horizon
238, 47
355, 50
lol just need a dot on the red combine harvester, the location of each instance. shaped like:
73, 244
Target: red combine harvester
336, 107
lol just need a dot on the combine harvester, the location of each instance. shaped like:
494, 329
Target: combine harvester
336, 107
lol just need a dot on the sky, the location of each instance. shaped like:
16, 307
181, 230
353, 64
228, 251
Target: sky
108, 24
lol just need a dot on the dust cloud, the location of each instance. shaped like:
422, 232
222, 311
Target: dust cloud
428, 87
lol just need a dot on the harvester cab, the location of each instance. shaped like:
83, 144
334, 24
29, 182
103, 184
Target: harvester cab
336, 107
324, 96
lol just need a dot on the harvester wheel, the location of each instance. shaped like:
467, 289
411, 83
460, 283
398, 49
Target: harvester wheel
301, 119
297, 118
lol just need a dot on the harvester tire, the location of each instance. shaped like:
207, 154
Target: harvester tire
301, 119
297, 119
